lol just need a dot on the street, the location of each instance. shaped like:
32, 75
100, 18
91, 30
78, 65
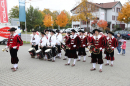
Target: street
35, 72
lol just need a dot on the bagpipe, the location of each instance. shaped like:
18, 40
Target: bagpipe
94, 50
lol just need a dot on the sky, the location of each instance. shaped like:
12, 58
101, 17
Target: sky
53, 5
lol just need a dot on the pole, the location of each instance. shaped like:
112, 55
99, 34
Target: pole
25, 23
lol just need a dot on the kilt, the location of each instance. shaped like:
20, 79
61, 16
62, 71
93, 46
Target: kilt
110, 56
59, 48
14, 58
81, 51
73, 54
97, 58
36, 47
67, 52
43, 50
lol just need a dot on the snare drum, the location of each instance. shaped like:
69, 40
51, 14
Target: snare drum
32, 52
48, 53
39, 54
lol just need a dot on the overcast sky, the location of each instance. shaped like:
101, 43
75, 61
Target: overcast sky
58, 5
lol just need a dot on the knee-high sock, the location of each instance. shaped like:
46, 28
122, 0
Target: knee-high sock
59, 54
69, 60
79, 57
15, 65
65, 56
94, 65
74, 61
84, 57
100, 66
107, 61
54, 58
45, 56
111, 62
105, 55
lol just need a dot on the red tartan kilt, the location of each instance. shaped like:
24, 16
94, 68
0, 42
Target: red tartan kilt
81, 51
14, 60
110, 58
67, 52
73, 54
97, 58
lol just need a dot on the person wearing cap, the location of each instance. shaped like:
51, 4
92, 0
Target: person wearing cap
83, 44
14, 41
43, 43
51, 43
97, 42
113, 43
58, 42
34, 40
67, 50
73, 41
47, 33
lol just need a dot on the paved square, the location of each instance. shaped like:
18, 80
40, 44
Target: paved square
35, 72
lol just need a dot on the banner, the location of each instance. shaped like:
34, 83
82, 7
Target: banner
3, 11
22, 13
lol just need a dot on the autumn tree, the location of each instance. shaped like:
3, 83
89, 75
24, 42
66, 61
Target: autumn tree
94, 23
62, 19
124, 15
48, 20
83, 12
103, 24
54, 17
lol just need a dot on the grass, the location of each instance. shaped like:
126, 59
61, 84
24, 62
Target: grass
24, 42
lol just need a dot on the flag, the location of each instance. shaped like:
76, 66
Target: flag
3, 11
22, 13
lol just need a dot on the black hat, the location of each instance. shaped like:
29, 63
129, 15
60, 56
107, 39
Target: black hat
34, 31
73, 30
96, 30
52, 31
110, 32
58, 31
12, 29
47, 30
43, 33
68, 32
81, 31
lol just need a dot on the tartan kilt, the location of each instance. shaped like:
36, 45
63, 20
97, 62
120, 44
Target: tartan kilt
73, 54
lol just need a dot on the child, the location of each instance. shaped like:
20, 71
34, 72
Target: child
123, 47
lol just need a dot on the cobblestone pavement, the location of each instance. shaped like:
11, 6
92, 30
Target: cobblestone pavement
35, 72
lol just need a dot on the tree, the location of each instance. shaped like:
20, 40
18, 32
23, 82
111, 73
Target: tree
102, 23
14, 12
48, 20
94, 23
54, 16
124, 15
62, 19
34, 18
83, 12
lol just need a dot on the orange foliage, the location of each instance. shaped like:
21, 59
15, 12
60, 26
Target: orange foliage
94, 23
62, 19
102, 23
48, 20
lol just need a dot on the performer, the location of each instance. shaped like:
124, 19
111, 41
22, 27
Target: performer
112, 43
97, 42
35, 40
14, 41
89, 38
58, 42
67, 52
47, 33
51, 44
81, 50
74, 42
43, 43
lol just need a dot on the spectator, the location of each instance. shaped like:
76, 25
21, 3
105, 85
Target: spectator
119, 43
123, 47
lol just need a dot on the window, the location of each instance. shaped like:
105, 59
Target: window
83, 22
113, 17
113, 9
117, 9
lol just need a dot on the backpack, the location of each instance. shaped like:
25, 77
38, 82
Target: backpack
19, 40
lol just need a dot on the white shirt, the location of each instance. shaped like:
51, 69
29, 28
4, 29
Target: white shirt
52, 41
35, 39
43, 41
58, 39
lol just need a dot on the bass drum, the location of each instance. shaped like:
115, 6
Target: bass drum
39, 54
48, 53
32, 52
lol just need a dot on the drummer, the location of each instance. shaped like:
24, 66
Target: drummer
34, 40
43, 43
51, 44
58, 42
47, 33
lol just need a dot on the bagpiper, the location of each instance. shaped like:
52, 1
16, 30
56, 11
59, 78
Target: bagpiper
52, 44
73, 41
34, 40
43, 43
96, 48
111, 44
14, 41
58, 42
83, 44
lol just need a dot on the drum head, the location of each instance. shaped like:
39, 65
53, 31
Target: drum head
31, 49
38, 51
48, 50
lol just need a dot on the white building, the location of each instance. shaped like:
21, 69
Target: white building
106, 11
